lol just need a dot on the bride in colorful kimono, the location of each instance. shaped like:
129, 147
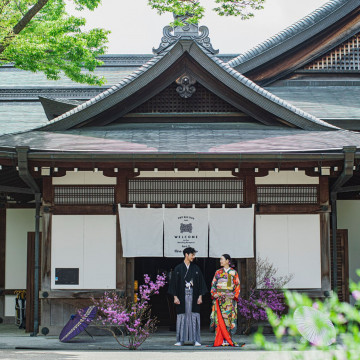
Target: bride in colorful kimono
225, 290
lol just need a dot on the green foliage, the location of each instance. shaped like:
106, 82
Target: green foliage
345, 317
191, 8
52, 42
242, 8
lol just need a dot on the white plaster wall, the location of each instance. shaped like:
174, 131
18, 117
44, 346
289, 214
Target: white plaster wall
87, 242
67, 247
348, 216
9, 305
84, 178
100, 252
292, 244
286, 177
185, 174
18, 223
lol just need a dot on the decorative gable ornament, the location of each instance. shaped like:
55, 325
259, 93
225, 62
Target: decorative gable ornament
187, 32
186, 86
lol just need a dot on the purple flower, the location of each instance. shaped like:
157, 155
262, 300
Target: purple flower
356, 295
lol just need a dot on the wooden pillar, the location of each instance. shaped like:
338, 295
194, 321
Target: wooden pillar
250, 198
130, 277
325, 234
120, 198
2, 258
45, 275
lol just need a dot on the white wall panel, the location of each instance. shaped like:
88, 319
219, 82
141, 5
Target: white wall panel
99, 252
87, 242
272, 241
9, 305
67, 246
292, 244
286, 177
304, 251
185, 174
84, 178
18, 223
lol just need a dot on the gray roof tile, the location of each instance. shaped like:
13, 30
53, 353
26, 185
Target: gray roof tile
183, 139
298, 32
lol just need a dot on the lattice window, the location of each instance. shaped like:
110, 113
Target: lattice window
169, 101
84, 195
346, 56
186, 191
287, 194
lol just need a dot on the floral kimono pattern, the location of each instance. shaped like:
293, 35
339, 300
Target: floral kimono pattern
226, 285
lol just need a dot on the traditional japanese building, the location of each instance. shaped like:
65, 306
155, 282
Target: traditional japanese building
260, 148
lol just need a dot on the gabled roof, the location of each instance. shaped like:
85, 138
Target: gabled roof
298, 33
55, 107
223, 73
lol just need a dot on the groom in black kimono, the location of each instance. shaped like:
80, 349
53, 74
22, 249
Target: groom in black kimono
187, 285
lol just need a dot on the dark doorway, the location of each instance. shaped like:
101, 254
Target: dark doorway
162, 304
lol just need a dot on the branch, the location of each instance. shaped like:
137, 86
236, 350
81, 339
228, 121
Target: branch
24, 21
4, 4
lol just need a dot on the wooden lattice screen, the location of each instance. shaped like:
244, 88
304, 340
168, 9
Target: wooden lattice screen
287, 194
84, 194
346, 56
169, 101
186, 191
342, 264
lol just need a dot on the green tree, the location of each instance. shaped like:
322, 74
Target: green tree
40, 36
242, 8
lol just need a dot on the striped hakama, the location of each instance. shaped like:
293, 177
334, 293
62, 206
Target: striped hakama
188, 324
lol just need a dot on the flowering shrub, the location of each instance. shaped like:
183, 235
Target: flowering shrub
253, 308
345, 317
129, 322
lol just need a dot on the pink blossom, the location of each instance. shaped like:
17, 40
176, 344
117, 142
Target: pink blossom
356, 295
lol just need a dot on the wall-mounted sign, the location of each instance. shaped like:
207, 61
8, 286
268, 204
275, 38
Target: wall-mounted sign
66, 276
185, 228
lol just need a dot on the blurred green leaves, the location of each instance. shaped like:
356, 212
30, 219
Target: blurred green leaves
52, 42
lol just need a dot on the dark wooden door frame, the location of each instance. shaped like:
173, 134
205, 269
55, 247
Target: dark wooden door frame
30, 275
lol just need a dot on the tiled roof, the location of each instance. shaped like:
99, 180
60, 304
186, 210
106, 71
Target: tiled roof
243, 86
183, 139
326, 102
295, 34
303, 120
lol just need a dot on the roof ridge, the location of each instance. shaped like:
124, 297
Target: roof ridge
299, 26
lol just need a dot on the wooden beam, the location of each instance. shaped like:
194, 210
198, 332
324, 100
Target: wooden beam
13, 189
349, 189
130, 277
73, 294
325, 234
293, 209
120, 198
250, 263
46, 252
83, 210
2, 246
47, 190
4, 292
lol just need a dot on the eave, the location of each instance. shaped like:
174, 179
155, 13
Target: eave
300, 43
133, 90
